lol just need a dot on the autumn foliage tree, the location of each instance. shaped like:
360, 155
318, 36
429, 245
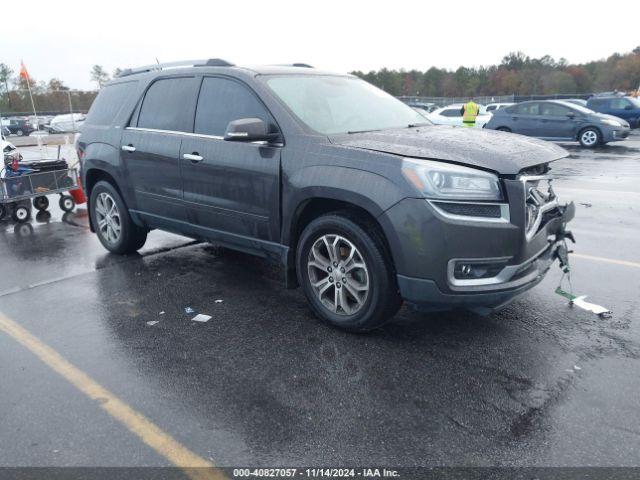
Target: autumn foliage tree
517, 74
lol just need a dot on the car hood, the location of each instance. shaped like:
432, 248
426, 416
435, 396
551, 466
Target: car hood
504, 153
602, 116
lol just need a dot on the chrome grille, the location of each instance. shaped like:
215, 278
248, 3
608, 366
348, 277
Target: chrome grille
539, 199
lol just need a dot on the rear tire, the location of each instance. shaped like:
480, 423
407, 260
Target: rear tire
590, 137
67, 203
41, 203
112, 222
3, 211
346, 272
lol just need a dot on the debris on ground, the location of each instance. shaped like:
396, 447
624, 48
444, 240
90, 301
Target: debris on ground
580, 302
151, 323
189, 310
588, 205
201, 317
218, 301
161, 313
576, 368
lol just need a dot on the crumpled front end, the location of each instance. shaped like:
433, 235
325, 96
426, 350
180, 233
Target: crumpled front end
481, 255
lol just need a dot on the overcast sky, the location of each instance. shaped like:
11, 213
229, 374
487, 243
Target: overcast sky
64, 39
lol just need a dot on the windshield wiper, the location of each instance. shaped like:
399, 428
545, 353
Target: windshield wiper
351, 132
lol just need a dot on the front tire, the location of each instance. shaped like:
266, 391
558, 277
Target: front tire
346, 273
21, 214
590, 137
112, 222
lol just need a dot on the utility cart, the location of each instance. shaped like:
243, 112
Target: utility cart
26, 182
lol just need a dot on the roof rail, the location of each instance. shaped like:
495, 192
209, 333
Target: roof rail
302, 65
211, 62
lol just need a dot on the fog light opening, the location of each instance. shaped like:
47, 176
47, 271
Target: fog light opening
465, 270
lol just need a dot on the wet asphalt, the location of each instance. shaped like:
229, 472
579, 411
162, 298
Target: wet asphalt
263, 383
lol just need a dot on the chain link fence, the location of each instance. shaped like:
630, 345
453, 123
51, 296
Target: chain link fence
444, 101
486, 99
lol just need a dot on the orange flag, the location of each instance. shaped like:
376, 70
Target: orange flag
23, 71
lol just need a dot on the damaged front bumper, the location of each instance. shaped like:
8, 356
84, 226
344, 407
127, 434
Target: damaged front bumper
507, 280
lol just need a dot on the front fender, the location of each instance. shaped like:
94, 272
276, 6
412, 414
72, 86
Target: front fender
369, 191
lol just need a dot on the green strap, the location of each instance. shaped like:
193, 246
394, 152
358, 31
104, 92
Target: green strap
564, 294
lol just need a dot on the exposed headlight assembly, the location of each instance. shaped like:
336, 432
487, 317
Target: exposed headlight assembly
438, 180
613, 123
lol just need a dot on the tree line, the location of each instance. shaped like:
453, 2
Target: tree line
49, 96
517, 74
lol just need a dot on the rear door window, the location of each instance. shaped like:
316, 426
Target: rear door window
168, 105
221, 101
528, 109
554, 110
109, 102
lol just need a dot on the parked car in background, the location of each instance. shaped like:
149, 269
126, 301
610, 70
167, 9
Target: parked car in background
69, 122
576, 101
18, 126
362, 202
426, 107
496, 106
452, 115
559, 121
627, 108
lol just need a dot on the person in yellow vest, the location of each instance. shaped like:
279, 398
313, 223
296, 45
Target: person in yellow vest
469, 112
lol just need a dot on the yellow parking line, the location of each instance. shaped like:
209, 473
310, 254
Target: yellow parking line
194, 466
607, 260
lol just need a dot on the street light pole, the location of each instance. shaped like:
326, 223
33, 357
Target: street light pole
73, 121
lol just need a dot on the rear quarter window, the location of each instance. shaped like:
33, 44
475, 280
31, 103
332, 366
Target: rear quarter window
593, 104
109, 103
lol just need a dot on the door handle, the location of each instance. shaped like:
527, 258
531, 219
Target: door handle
128, 148
193, 157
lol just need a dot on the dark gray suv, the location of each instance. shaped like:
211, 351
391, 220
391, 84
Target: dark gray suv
363, 203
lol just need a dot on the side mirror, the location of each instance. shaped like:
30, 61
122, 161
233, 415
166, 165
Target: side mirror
249, 130
571, 115
628, 107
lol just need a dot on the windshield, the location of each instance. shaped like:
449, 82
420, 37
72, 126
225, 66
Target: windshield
332, 104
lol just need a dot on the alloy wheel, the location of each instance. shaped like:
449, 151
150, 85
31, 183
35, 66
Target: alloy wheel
589, 138
108, 218
338, 274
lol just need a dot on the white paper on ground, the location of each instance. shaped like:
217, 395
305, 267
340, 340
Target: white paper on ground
591, 307
201, 318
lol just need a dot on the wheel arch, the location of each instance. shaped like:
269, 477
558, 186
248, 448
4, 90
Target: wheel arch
589, 127
359, 209
91, 177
